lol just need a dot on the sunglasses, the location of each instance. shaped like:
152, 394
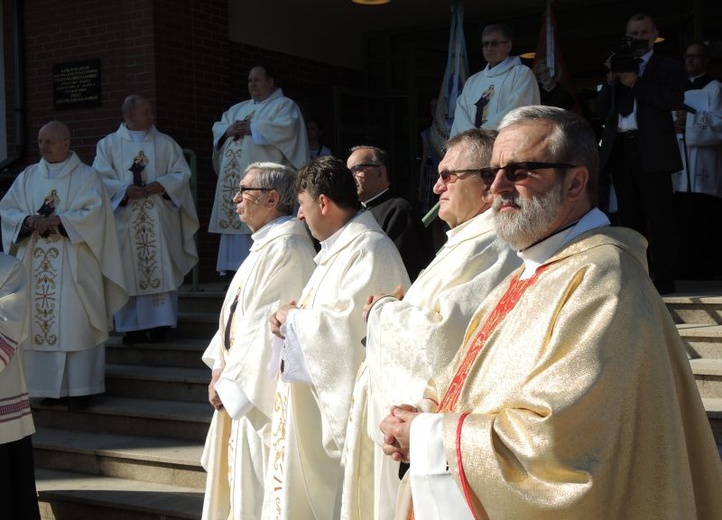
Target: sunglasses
517, 172
447, 175
357, 168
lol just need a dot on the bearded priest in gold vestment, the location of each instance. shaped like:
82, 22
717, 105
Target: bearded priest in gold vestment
572, 396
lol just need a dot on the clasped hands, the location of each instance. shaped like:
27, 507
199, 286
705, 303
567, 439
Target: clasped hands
42, 225
397, 293
145, 191
396, 428
279, 317
239, 129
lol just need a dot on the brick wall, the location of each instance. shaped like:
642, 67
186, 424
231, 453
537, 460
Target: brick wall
176, 53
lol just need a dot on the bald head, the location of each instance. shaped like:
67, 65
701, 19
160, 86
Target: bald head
54, 141
138, 113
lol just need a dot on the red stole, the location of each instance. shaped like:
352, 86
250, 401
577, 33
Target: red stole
503, 307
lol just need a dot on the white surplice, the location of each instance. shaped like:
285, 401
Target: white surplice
703, 137
236, 451
15, 414
278, 135
155, 233
309, 421
506, 86
76, 282
407, 342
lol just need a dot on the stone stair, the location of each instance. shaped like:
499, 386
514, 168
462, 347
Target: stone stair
697, 311
135, 452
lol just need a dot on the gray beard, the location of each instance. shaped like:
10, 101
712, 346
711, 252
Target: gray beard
531, 223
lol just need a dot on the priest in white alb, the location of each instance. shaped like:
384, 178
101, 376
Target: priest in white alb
267, 127
412, 336
56, 220
148, 180
242, 389
322, 348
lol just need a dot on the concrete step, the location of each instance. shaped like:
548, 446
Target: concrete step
696, 308
708, 374
158, 382
127, 416
702, 341
208, 298
177, 352
148, 459
195, 325
72, 496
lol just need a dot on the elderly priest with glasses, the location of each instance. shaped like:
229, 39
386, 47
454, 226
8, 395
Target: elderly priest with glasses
241, 389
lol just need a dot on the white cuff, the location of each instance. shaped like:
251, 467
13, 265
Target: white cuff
234, 399
295, 368
434, 491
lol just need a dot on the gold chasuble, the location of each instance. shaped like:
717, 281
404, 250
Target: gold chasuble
578, 400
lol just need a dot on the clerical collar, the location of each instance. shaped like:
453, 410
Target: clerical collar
366, 202
327, 244
267, 98
536, 254
693, 78
501, 63
268, 227
136, 136
55, 168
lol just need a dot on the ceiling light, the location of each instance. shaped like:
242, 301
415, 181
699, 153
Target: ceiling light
371, 2
528, 55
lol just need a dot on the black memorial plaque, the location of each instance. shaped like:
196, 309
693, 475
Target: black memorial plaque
76, 84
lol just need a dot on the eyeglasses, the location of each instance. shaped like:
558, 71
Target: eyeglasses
446, 175
493, 44
517, 172
357, 168
244, 189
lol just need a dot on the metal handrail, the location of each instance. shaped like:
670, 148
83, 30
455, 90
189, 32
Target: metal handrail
193, 162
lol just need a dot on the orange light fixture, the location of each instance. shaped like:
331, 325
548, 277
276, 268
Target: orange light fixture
371, 2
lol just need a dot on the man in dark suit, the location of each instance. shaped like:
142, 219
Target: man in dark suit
639, 148
395, 215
